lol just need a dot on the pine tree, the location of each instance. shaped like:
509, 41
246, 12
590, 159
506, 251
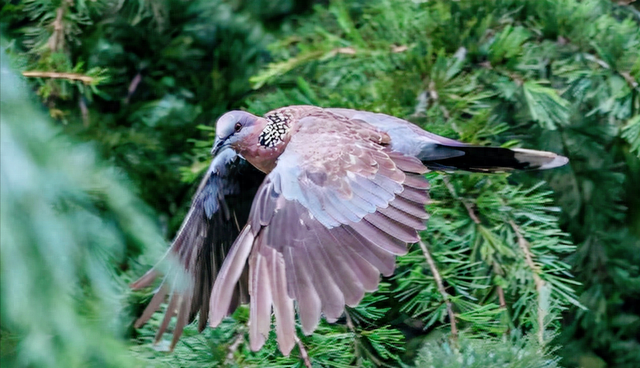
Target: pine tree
138, 77
68, 222
496, 271
547, 74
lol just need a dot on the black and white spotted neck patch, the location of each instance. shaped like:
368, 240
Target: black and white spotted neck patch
275, 131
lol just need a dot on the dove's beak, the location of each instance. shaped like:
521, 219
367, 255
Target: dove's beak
218, 145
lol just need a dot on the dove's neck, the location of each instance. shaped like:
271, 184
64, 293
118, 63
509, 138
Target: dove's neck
253, 149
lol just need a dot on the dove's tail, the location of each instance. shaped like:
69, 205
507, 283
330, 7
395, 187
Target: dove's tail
488, 159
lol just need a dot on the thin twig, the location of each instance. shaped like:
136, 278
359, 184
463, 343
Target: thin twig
503, 302
84, 110
345, 50
433, 93
474, 217
303, 354
626, 75
350, 324
55, 75
133, 86
401, 48
56, 40
466, 204
630, 80
596, 60
524, 246
443, 292
234, 347
503, 305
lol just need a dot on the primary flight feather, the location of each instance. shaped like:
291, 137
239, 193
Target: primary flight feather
303, 209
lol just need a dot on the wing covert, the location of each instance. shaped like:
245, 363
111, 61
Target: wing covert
340, 169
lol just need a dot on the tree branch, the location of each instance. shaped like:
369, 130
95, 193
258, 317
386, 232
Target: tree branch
443, 292
630, 80
539, 283
503, 302
56, 40
133, 86
474, 217
303, 354
466, 204
55, 75
503, 305
84, 110
234, 347
350, 324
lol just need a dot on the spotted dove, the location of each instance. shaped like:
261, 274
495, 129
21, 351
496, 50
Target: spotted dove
305, 207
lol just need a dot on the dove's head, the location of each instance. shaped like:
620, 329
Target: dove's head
234, 128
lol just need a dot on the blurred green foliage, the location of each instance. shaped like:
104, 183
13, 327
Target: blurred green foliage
145, 80
158, 69
513, 352
68, 223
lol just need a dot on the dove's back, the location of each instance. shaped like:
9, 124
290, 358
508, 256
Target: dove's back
437, 152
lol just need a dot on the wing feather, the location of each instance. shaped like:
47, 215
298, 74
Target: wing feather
261, 301
409, 207
378, 237
416, 181
379, 258
324, 283
171, 311
282, 303
308, 299
335, 254
368, 275
401, 217
415, 195
153, 306
222, 202
225, 284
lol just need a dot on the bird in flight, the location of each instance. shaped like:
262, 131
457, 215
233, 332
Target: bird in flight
303, 209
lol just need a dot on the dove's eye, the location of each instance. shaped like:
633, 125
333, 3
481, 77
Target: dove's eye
238, 127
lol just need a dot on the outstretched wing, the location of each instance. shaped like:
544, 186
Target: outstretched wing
331, 216
220, 208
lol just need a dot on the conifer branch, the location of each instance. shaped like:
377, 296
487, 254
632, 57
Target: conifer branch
56, 40
626, 75
503, 302
303, 354
474, 217
234, 347
630, 80
539, 283
467, 205
133, 85
350, 324
443, 292
55, 75
84, 110
397, 49
503, 305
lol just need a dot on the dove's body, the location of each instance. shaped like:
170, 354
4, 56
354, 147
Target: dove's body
343, 194
404, 137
